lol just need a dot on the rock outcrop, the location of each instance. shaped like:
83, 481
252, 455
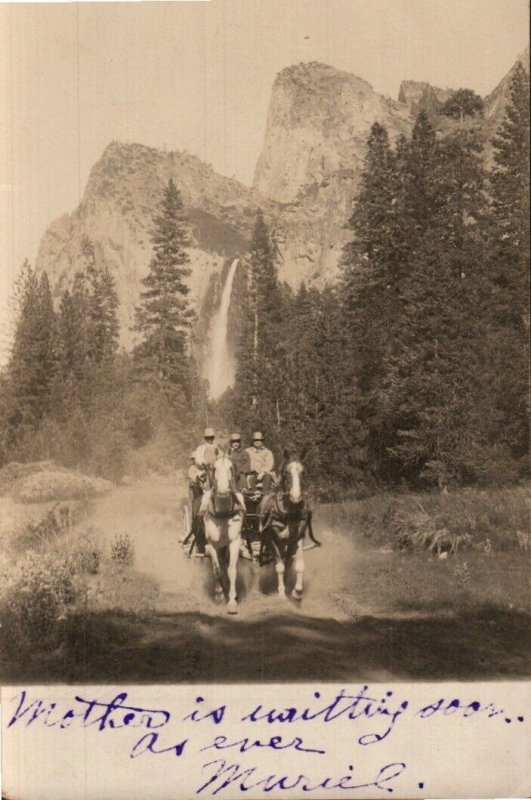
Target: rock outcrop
317, 125
496, 101
318, 122
122, 195
421, 96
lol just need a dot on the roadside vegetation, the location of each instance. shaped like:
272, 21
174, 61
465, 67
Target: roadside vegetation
439, 552
56, 574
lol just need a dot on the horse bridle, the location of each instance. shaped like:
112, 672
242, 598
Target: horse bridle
285, 505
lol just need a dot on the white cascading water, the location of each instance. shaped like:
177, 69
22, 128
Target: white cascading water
220, 365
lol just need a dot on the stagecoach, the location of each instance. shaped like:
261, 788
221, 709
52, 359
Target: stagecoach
272, 528
254, 548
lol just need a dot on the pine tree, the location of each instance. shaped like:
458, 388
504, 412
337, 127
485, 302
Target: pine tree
510, 198
164, 317
102, 305
434, 373
418, 313
31, 364
339, 434
372, 272
509, 264
422, 195
301, 384
258, 382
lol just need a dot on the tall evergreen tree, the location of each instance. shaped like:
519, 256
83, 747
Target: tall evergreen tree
373, 268
102, 305
509, 264
258, 382
164, 317
339, 434
32, 359
432, 374
510, 197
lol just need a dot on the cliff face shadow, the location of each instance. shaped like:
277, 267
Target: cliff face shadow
286, 647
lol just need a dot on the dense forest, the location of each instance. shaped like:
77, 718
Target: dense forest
411, 369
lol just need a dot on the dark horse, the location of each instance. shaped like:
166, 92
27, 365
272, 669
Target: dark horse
284, 520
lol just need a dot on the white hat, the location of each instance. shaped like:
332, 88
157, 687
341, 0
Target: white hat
209, 433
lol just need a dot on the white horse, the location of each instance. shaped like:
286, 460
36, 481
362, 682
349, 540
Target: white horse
285, 520
222, 509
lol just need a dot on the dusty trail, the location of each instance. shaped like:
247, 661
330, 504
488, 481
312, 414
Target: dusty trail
340, 632
150, 513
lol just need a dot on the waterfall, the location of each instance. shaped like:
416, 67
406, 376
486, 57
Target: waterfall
220, 365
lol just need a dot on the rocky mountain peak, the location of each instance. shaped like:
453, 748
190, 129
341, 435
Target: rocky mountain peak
123, 193
317, 124
496, 101
314, 76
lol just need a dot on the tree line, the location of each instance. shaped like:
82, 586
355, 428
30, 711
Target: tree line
413, 367
70, 395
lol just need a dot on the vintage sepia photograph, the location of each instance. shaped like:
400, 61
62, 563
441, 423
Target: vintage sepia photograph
264, 342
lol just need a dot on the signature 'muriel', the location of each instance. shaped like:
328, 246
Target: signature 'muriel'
245, 780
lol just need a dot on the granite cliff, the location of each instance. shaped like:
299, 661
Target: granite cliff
116, 212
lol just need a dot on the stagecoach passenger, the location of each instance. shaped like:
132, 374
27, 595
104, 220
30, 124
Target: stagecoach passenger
262, 463
207, 452
240, 460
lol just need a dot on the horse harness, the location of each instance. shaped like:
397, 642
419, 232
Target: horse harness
278, 515
224, 506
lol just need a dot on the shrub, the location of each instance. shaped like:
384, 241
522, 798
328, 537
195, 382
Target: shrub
15, 471
56, 485
86, 553
122, 549
39, 532
35, 597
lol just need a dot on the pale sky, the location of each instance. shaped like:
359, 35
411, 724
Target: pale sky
198, 76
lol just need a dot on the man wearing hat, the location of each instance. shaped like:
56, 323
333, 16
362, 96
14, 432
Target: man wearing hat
262, 462
207, 452
240, 460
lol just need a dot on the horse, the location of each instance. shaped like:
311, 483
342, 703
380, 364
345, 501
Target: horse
284, 520
222, 511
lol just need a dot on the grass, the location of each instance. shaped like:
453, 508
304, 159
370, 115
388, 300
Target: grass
437, 553
419, 583
483, 520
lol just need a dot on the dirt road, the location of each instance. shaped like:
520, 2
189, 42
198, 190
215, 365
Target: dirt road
348, 627
150, 513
